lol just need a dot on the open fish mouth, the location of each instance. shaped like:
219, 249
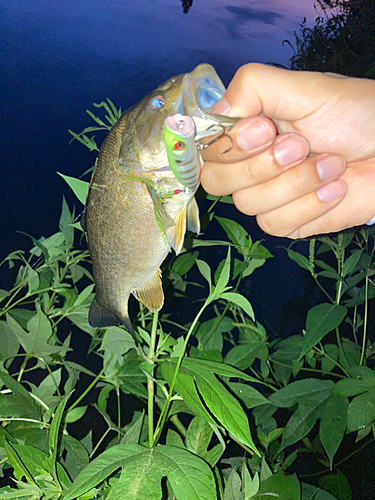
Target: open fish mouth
201, 89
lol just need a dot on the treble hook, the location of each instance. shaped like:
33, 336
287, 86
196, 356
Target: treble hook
225, 132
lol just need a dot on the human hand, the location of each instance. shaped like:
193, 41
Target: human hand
292, 194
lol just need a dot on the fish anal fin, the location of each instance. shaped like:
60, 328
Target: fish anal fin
101, 317
192, 215
178, 231
151, 293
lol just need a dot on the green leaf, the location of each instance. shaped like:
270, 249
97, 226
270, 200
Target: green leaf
84, 295
48, 387
20, 469
321, 320
224, 276
232, 490
300, 259
236, 233
351, 262
190, 477
100, 468
240, 301
37, 463
364, 381
196, 380
311, 395
301, 390
183, 263
209, 334
205, 270
55, 427
242, 356
174, 439
19, 394
32, 280
249, 396
361, 411
9, 344
198, 436
250, 485
75, 414
133, 430
333, 425
310, 492
76, 456
79, 188
337, 484
280, 486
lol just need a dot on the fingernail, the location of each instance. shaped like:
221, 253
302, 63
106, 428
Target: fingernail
331, 191
330, 167
254, 136
221, 107
290, 150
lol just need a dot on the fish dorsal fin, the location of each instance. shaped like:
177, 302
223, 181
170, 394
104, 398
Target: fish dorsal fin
177, 233
151, 293
193, 221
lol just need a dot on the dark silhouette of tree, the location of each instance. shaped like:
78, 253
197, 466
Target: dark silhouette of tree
186, 4
341, 41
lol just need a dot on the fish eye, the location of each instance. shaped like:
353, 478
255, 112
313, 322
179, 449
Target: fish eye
156, 102
179, 146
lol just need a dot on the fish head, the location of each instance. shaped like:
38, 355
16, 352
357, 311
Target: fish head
191, 94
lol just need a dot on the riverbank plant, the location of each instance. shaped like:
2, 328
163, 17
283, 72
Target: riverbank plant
207, 408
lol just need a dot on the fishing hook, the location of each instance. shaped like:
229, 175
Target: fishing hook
225, 132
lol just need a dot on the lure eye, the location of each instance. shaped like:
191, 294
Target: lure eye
156, 102
179, 146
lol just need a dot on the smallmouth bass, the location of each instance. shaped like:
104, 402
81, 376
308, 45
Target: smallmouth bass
141, 195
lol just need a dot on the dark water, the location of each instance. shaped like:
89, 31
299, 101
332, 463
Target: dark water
57, 58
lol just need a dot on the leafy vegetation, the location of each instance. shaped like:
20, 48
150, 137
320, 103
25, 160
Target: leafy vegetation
342, 39
200, 386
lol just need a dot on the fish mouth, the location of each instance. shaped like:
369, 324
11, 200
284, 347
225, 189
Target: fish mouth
201, 89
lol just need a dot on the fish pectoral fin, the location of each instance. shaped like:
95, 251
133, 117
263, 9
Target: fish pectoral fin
176, 234
193, 221
151, 293
160, 212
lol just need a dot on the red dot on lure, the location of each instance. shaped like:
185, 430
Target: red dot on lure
178, 145
176, 191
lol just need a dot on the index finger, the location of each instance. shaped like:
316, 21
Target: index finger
248, 137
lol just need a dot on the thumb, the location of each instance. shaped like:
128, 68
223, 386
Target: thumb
279, 94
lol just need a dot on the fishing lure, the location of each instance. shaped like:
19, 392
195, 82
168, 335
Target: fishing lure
182, 152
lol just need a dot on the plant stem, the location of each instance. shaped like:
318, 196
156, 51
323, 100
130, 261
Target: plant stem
165, 409
179, 425
22, 369
96, 379
150, 381
364, 340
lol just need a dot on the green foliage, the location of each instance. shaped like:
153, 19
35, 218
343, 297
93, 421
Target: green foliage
201, 385
341, 40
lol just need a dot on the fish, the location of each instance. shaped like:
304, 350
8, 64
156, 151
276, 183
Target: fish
141, 199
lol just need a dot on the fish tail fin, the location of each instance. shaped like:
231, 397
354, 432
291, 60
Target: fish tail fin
101, 317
